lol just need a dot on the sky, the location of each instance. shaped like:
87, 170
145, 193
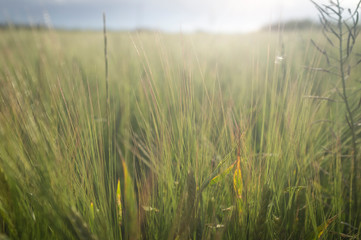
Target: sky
225, 16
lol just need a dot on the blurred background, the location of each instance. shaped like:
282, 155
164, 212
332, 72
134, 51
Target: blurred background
226, 16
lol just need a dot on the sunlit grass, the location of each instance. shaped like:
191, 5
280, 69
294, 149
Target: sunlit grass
184, 110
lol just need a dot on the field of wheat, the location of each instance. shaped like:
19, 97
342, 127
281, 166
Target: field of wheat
178, 136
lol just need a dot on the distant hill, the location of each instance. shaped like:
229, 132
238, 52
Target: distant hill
277, 26
292, 25
21, 26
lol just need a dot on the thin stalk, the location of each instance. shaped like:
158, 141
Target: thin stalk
106, 68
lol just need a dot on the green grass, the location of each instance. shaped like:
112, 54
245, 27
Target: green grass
183, 109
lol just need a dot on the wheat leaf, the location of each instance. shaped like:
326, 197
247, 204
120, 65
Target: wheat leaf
222, 175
